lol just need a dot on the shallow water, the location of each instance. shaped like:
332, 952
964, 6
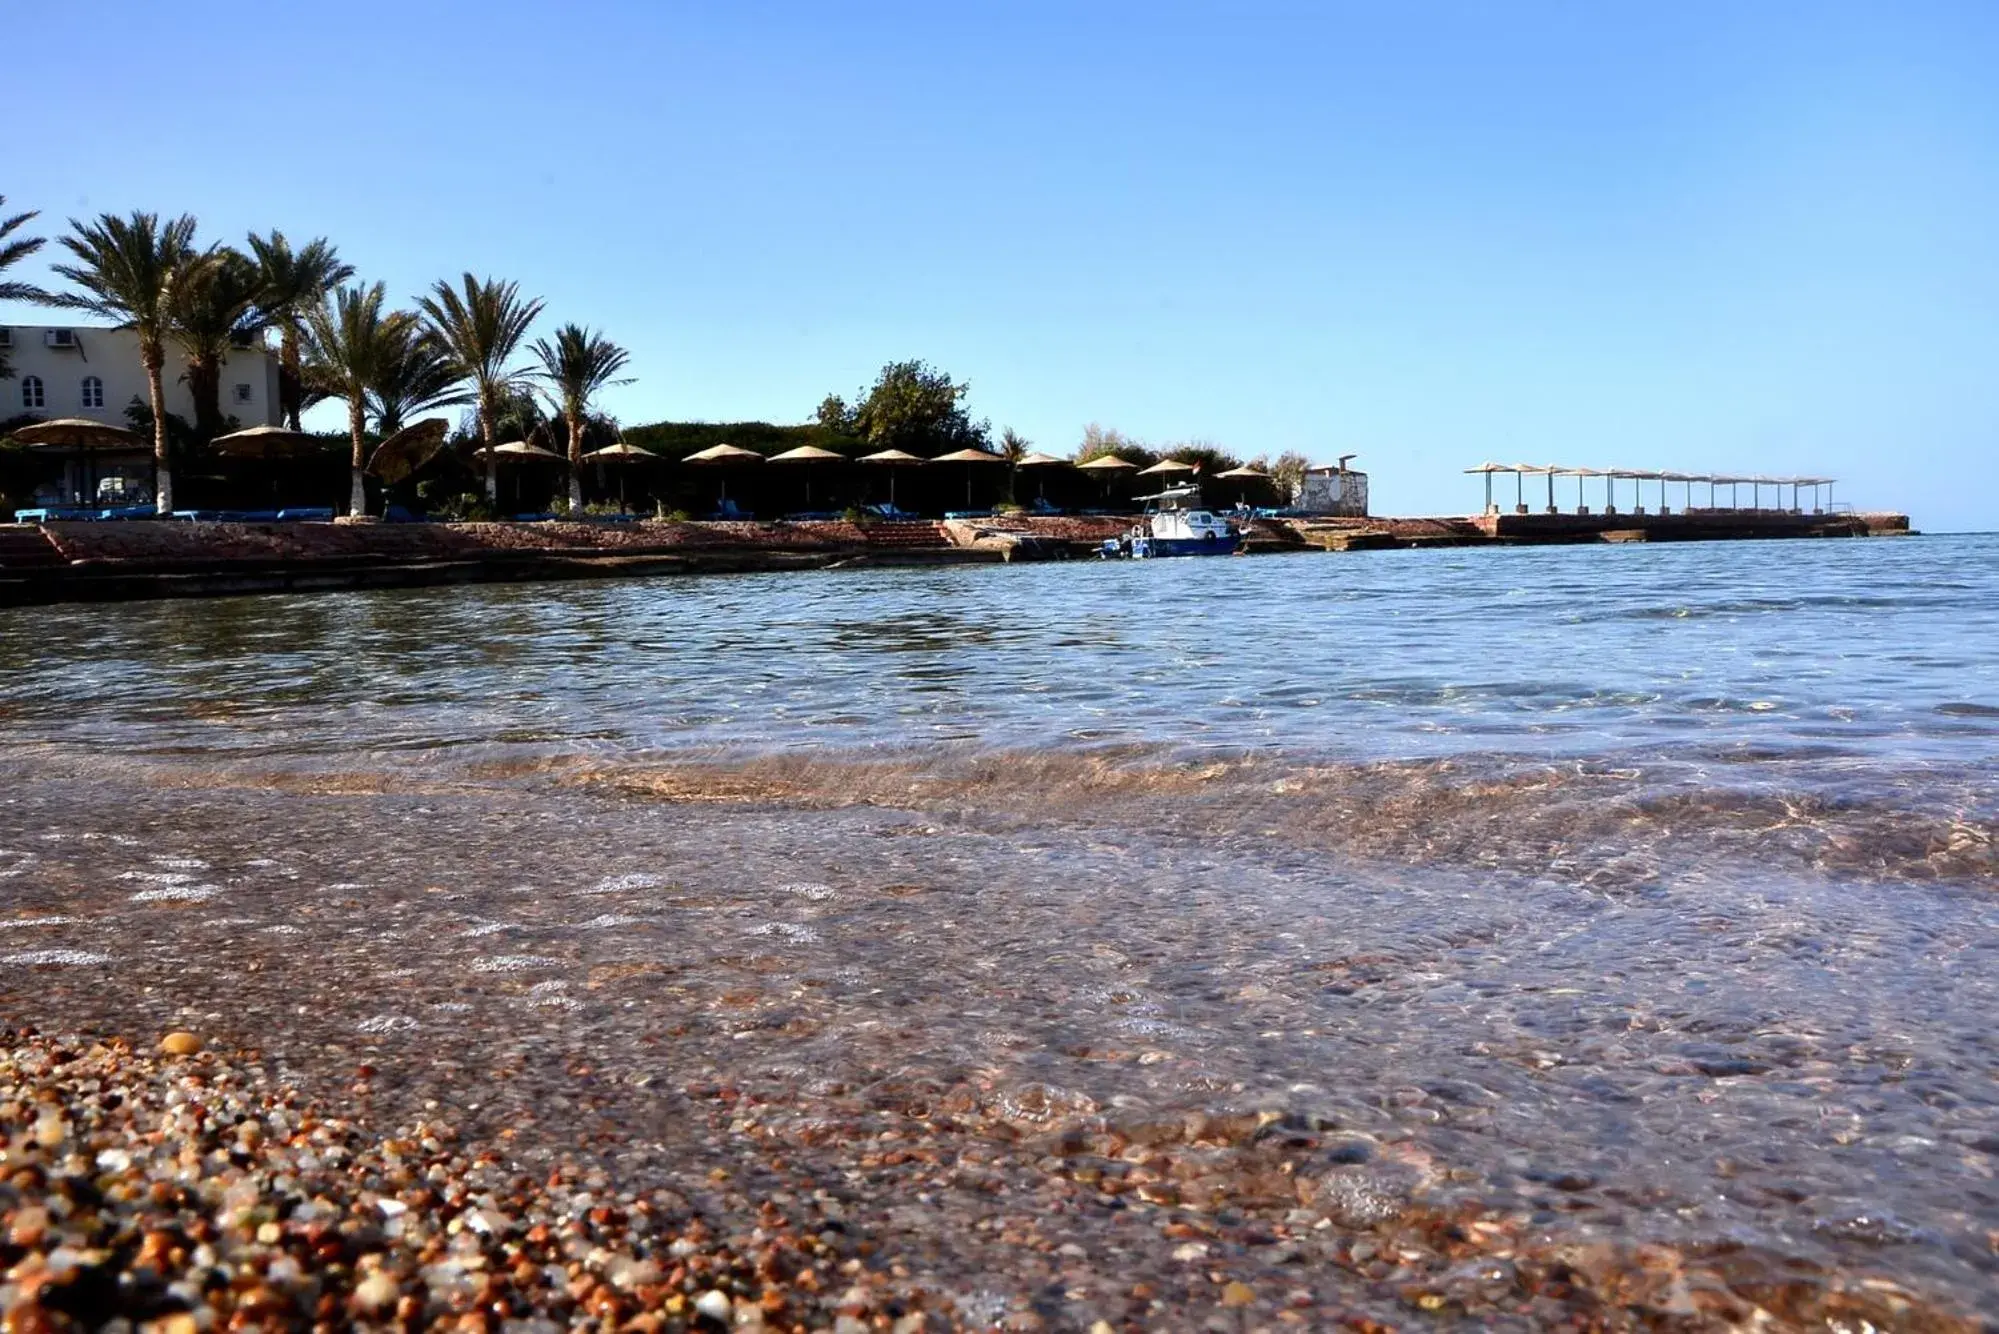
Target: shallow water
1647, 891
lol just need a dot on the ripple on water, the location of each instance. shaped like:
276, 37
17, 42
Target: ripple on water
387, 1023
55, 959
629, 882
514, 963
789, 932
177, 894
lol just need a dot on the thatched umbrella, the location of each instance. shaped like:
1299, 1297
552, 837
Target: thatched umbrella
1104, 465
723, 456
808, 454
1165, 467
521, 449
399, 456
79, 435
1244, 474
892, 458
970, 458
265, 442
1037, 459
623, 456
525, 452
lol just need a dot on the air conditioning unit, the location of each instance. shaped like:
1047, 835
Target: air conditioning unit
60, 338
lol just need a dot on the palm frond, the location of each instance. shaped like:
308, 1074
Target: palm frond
481, 327
577, 365
292, 281
13, 252
124, 268
418, 377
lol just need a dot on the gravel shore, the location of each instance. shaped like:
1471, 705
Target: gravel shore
179, 1189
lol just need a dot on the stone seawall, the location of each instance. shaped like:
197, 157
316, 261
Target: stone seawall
70, 562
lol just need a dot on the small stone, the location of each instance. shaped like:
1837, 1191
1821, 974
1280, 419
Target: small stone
1238, 1294
28, 1228
714, 1305
375, 1292
180, 1044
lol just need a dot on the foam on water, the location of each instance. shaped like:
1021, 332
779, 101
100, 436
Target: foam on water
54, 959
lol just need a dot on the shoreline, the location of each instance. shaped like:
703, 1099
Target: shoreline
69, 561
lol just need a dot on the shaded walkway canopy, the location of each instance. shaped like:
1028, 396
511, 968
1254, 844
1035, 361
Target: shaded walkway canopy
1612, 476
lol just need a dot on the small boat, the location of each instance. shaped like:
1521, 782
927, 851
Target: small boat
1176, 524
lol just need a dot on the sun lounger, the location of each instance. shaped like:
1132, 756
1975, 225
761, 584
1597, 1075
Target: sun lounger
885, 510
307, 514
542, 516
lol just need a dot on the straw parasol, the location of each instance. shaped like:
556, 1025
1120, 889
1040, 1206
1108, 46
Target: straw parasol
1165, 466
624, 456
1037, 459
521, 449
265, 442
79, 433
723, 456
892, 458
970, 458
1103, 466
1245, 474
408, 449
808, 454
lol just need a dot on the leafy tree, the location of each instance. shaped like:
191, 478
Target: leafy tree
417, 377
127, 268
1287, 474
576, 366
212, 306
480, 329
349, 340
1099, 441
290, 283
914, 408
12, 252
835, 415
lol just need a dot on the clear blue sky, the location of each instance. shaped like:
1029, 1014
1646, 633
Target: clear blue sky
1726, 235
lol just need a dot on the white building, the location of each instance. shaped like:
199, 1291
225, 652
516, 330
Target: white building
66, 371
1337, 490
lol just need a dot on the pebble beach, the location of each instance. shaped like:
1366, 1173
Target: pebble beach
547, 958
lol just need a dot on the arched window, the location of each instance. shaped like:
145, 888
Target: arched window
93, 392
31, 391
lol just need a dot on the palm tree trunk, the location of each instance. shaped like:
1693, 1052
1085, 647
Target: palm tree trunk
163, 477
204, 383
575, 465
289, 379
492, 459
357, 503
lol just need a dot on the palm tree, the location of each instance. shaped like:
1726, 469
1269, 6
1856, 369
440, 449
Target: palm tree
127, 269
417, 378
480, 331
1013, 448
349, 340
576, 366
12, 253
213, 308
290, 283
